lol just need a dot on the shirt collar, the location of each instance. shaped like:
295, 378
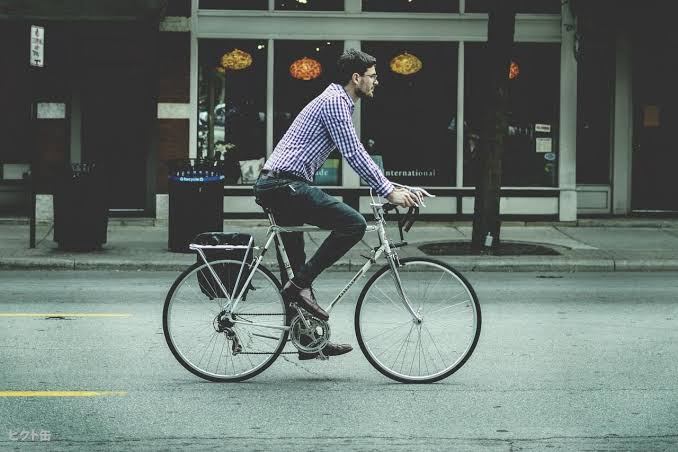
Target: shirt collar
335, 87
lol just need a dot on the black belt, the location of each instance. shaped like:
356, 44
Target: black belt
281, 175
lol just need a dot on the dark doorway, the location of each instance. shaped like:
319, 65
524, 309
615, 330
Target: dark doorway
117, 102
655, 150
115, 133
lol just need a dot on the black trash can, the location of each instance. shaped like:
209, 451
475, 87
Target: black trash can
80, 207
196, 200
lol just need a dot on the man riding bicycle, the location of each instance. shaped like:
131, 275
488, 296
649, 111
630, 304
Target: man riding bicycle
284, 185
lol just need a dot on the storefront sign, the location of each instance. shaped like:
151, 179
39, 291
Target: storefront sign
542, 128
51, 110
37, 50
328, 174
543, 145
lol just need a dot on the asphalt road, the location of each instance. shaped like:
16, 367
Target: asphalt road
569, 361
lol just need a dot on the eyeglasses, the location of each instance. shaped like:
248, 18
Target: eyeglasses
372, 76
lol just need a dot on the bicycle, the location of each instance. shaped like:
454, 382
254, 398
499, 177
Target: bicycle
417, 320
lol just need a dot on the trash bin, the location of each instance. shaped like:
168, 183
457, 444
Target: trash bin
196, 200
80, 207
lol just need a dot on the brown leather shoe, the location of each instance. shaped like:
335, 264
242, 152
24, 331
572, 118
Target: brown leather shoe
330, 349
304, 298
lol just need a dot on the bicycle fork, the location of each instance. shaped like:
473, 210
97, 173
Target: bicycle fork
392, 259
394, 263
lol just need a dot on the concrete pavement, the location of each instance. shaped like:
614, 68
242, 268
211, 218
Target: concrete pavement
616, 244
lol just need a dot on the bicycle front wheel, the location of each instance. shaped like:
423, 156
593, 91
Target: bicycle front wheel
418, 352
224, 348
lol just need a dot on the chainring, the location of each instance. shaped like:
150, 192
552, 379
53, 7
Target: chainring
311, 339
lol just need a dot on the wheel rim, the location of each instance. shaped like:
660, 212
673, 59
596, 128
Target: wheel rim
191, 324
432, 349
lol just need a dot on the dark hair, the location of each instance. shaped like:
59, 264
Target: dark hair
353, 61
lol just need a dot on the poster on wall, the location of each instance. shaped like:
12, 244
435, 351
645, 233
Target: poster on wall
37, 49
328, 174
651, 116
543, 145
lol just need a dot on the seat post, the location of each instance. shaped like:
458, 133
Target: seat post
270, 217
281, 246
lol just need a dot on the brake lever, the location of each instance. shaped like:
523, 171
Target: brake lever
421, 194
406, 222
410, 218
387, 207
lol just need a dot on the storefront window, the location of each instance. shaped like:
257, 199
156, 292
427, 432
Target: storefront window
407, 125
522, 6
232, 86
302, 70
412, 6
233, 4
595, 81
531, 147
310, 5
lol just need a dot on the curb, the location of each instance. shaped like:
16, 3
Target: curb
529, 264
474, 264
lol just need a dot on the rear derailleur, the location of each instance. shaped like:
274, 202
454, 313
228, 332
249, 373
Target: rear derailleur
222, 324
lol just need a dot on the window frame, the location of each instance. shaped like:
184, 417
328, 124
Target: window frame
350, 27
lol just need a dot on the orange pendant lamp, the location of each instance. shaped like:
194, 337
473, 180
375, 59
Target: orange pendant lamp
236, 60
405, 64
306, 69
514, 70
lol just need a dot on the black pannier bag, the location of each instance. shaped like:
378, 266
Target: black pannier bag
227, 273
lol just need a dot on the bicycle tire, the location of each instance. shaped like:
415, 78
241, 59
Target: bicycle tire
263, 299
376, 307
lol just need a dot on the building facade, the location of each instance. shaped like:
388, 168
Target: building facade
589, 115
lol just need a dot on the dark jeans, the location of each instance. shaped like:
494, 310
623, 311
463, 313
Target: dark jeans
294, 203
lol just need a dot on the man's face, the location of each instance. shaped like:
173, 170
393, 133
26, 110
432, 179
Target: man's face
367, 82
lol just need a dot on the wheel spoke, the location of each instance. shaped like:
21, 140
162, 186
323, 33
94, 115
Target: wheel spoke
190, 324
390, 329
398, 306
448, 307
426, 351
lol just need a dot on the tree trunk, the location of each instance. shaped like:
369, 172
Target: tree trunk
494, 125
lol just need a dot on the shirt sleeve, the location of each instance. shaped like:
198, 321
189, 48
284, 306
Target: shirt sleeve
337, 118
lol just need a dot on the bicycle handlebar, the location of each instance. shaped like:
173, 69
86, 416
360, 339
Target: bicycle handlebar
405, 223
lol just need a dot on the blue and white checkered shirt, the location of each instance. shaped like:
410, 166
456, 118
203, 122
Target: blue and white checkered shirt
323, 125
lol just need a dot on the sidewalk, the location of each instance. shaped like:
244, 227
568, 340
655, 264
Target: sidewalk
589, 245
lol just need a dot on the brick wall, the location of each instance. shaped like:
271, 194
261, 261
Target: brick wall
174, 67
173, 88
51, 145
172, 144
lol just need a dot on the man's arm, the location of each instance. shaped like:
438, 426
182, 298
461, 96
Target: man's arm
337, 118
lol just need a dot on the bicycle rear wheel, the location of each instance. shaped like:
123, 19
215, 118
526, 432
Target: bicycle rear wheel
412, 352
204, 342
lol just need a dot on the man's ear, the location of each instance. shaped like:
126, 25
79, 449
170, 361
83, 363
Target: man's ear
355, 77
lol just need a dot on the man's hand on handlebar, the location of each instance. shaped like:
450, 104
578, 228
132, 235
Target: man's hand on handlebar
403, 197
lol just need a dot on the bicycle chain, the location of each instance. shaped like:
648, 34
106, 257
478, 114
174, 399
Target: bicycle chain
262, 353
244, 313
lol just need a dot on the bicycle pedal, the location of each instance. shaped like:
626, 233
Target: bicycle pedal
322, 356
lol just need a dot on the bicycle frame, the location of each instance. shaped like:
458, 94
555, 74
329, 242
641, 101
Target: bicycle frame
385, 247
